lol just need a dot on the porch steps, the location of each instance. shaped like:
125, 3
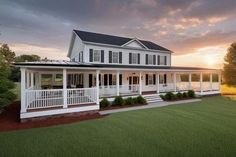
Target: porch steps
153, 98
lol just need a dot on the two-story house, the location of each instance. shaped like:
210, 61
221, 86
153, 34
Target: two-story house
106, 66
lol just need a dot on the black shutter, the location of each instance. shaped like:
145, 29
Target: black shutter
154, 79
110, 79
100, 80
146, 58
138, 58
130, 58
91, 55
146, 79
90, 80
165, 60
120, 79
110, 56
102, 56
158, 60
82, 55
165, 78
154, 59
105, 79
120, 57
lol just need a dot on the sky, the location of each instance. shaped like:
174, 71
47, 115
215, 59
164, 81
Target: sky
197, 31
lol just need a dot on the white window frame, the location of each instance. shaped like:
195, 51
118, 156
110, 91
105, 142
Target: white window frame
134, 59
115, 57
150, 59
150, 79
81, 56
97, 53
162, 60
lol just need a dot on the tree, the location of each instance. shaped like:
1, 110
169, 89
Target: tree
8, 54
28, 58
15, 72
229, 72
6, 95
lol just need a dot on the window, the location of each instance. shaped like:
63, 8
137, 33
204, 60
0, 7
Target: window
150, 79
115, 57
81, 56
134, 58
163, 60
97, 56
162, 79
150, 59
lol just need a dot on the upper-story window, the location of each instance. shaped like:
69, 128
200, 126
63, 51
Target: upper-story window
115, 57
134, 58
162, 60
151, 59
81, 56
96, 56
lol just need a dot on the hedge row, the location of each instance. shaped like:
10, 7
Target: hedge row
178, 96
119, 101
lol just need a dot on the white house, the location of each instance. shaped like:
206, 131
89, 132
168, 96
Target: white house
106, 66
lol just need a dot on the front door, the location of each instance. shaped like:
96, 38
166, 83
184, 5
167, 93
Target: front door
133, 82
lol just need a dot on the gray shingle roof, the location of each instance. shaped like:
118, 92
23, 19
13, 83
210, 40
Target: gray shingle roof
114, 40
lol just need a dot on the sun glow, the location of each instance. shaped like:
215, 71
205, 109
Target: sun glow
210, 60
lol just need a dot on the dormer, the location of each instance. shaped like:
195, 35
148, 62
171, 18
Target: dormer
135, 43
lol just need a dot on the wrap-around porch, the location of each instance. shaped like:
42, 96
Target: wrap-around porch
81, 90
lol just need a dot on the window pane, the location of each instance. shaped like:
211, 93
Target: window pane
150, 59
115, 57
97, 56
134, 58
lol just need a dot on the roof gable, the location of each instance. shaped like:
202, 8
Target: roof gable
116, 40
134, 43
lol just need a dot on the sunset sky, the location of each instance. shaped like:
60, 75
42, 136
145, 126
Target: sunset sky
197, 31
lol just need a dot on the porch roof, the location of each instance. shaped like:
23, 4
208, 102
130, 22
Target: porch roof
75, 65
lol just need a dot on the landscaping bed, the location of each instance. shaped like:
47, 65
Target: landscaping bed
170, 96
119, 102
10, 119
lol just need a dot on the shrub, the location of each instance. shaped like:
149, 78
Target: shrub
170, 96
185, 95
135, 100
191, 93
141, 100
118, 101
104, 103
163, 97
179, 95
129, 101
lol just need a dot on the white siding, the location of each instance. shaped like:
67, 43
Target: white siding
134, 44
125, 54
78, 46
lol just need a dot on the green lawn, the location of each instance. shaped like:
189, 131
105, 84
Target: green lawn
200, 129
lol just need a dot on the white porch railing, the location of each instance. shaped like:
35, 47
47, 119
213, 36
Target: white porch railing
106, 91
81, 96
36, 99
182, 86
169, 87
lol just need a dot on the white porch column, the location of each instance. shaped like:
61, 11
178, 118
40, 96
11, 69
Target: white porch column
201, 82
158, 83
40, 77
97, 86
23, 102
219, 80
32, 80
140, 83
190, 81
64, 89
175, 88
211, 87
117, 83
27, 79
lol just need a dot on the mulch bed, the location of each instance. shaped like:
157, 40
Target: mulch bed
119, 107
10, 119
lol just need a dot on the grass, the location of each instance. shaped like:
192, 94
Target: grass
206, 128
228, 90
